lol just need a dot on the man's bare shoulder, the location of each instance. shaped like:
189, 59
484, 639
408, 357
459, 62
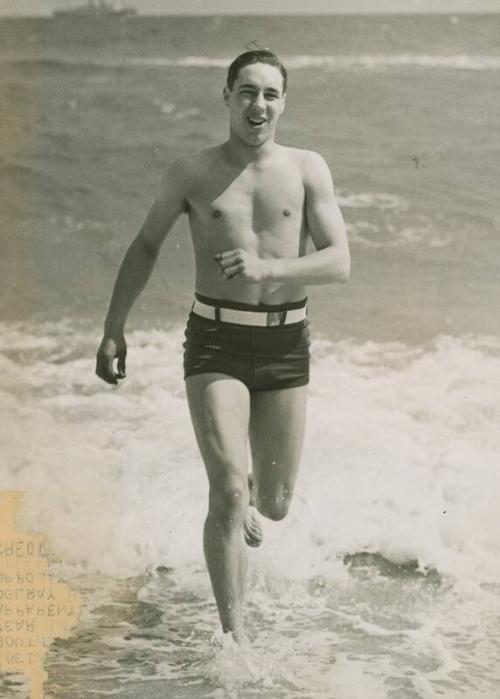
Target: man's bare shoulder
310, 163
187, 173
195, 164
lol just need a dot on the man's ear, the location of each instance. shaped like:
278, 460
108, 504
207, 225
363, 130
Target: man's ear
283, 103
225, 95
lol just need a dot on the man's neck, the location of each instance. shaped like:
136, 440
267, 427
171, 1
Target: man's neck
243, 154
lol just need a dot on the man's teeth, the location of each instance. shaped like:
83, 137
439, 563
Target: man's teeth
256, 122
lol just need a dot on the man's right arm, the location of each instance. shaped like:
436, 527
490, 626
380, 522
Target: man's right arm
137, 267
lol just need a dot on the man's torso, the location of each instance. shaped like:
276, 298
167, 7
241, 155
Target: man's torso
259, 207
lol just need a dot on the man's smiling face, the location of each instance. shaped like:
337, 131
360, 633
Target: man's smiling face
255, 103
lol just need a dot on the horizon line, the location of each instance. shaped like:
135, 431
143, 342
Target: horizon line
329, 13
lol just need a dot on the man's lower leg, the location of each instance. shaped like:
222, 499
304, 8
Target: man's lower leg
225, 554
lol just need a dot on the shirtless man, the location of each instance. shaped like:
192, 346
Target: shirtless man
252, 206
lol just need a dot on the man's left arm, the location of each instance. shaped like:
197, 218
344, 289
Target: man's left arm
331, 262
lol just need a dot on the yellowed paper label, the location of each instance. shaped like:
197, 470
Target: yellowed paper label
35, 608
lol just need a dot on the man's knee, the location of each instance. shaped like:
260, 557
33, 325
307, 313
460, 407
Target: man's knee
228, 499
274, 506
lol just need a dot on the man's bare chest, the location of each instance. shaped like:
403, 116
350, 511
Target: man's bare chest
260, 200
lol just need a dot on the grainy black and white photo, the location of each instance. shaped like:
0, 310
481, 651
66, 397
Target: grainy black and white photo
250, 348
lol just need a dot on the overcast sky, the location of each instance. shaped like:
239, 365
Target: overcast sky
44, 7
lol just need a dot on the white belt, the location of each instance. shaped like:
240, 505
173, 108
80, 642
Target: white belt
262, 318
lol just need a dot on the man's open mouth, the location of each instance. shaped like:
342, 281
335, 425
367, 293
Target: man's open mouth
256, 121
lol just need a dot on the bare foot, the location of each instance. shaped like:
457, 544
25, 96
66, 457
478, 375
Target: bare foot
252, 529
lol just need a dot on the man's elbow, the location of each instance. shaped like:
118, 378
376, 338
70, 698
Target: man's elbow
341, 269
344, 272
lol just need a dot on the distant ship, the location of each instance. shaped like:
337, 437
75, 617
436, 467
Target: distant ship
97, 10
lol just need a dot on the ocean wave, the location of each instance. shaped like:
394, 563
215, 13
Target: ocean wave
389, 224
390, 556
367, 200
368, 234
375, 61
425, 416
368, 61
297, 62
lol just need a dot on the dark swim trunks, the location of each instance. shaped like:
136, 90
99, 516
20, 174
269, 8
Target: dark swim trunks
263, 357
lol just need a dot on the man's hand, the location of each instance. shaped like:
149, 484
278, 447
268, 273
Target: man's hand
240, 264
111, 348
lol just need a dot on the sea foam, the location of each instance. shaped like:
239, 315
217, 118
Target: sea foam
400, 457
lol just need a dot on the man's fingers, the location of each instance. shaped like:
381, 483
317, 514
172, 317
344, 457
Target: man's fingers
226, 253
105, 366
107, 371
104, 371
121, 365
228, 257
233, 271
229, 262
109, 380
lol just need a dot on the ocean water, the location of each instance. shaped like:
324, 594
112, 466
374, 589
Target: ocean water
384, 581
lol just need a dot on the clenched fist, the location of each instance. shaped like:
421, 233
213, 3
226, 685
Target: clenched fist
111, 348
240, 264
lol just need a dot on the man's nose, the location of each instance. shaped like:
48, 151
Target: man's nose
259, 100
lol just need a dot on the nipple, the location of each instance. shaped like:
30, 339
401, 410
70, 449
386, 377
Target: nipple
286, 212
216, 213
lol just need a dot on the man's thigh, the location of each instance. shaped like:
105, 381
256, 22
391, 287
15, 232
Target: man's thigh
220, 411
277, 421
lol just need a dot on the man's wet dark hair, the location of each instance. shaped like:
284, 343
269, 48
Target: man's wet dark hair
255, 56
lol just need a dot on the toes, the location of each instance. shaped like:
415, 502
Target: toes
253, 526
253, 541
253, 532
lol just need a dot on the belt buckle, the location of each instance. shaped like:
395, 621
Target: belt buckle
276, 318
